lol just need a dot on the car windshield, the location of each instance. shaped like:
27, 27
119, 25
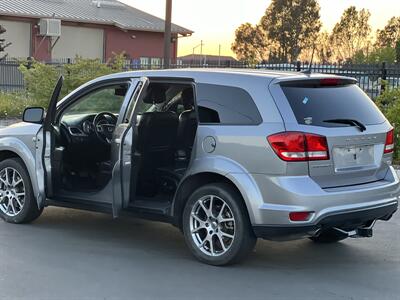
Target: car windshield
316, 105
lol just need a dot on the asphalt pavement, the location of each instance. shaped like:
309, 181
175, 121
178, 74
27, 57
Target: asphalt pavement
71, 254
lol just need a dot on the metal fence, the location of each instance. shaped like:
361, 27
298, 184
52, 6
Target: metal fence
11, 78
372, 78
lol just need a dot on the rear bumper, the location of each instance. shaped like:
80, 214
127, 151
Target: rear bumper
345, 219
284, 194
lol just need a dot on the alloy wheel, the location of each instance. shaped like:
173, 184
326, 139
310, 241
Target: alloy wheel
212, 225
12, 192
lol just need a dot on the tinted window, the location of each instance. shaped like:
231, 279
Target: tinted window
314, 105
207, 115
226, 105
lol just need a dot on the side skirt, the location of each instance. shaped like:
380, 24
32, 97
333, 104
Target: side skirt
141, 213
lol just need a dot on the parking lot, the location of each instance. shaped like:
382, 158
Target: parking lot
70, 254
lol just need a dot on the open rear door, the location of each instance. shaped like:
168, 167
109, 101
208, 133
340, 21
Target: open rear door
124, 157
45, 145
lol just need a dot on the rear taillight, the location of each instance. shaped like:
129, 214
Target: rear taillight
389, 144
299, 146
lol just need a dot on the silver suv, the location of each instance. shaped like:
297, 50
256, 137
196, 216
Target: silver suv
227, 156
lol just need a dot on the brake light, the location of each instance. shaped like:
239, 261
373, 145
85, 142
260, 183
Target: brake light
299, 146
329, 81
389, 144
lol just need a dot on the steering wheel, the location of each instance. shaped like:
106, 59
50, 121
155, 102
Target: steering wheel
104, 125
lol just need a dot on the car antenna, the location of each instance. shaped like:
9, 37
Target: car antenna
308, 71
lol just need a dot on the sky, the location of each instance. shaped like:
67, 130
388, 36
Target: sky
214, 21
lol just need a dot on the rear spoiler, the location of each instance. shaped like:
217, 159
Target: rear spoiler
319, 82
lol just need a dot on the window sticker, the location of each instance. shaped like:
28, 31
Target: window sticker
305, 100
308, 120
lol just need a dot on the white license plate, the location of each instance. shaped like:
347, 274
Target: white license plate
353, 157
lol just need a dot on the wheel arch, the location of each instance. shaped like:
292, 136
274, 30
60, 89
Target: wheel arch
6, 154
14, 148
194, 181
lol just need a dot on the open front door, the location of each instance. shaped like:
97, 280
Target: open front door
44, 147
124, 159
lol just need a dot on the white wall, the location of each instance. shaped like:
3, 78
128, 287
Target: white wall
19, 34
85, 42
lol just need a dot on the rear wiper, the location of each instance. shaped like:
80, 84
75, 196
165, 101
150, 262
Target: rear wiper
351, 122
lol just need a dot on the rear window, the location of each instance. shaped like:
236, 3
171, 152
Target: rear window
314, 105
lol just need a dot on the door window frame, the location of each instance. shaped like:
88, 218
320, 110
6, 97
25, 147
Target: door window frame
76, 96
167, 80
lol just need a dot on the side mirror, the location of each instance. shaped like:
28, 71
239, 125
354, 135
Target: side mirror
33, 115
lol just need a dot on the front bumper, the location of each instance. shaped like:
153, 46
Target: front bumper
347, 220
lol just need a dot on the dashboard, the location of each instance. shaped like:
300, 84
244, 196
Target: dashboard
78, 125
79, 129
78, 136
81, 125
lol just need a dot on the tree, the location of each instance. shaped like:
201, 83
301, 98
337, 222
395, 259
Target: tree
323, 51
390, 34
378, 55
292, 25
398, 51
250, 43
351, 34
323, 48
3, 44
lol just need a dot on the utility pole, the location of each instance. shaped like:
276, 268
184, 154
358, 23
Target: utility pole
219, 55
201, 52
167, 34
202, 59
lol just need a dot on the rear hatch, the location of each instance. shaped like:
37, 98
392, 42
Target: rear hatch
356, 131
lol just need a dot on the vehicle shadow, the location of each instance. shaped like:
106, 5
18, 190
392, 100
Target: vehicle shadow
95, 232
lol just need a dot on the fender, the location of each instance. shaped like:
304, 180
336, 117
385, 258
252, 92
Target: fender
235, 173
18, 147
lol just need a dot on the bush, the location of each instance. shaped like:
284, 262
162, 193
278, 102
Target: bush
389, 104
41, 78
12, 105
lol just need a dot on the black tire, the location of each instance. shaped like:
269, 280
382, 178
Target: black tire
30, 210
244, 239
328, 236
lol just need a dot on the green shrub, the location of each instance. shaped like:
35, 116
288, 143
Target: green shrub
12, 105
41, 78
389, 104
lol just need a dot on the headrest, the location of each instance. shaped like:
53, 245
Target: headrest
187, 94
157, 94
187, 98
